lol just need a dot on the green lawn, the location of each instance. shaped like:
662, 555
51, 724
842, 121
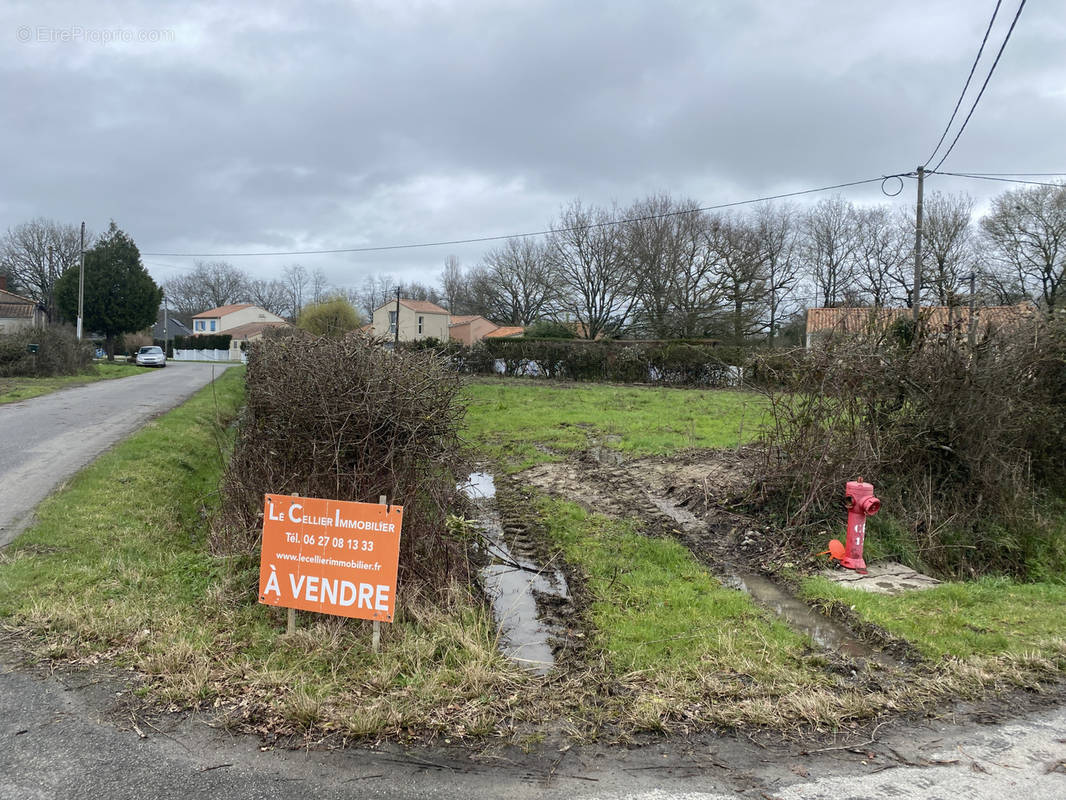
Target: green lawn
507, 420
14, 389
986, 617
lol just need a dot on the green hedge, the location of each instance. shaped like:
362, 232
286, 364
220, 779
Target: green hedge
673, 363
212, 341
58, 353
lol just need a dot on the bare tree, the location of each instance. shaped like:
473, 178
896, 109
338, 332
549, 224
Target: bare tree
271, 295
1027, 228
947, 252
674, 270
223, 283
830, 237
882, 254
319, 285
742, 275
595, 269
517, 284
454, 284
776, 235
295, 278
374, 293
36, 253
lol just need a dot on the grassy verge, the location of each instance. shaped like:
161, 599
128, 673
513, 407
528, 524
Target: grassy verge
117, 568
982, 618
515, 422
14, 389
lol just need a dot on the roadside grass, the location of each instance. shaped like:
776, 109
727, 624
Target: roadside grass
13, 390
986, 617
117, 569
516, 422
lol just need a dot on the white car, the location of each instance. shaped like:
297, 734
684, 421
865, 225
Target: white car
151, 356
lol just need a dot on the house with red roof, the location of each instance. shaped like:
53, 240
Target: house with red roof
18, 312
225, 318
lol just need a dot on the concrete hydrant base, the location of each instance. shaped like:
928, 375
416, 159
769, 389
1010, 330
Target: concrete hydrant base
885, 578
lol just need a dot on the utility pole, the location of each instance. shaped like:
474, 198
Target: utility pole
397, 339
81, 283
50, 300
165, 337
916, 300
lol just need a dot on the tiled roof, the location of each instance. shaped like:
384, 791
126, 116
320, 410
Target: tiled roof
222, 311
505, 331
462, 320
16, 310
250, 329
853, 320
423, 306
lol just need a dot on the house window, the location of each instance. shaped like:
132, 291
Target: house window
212, 324
392, 322
420, 324
199, 324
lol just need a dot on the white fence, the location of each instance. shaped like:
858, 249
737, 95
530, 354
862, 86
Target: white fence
205, 355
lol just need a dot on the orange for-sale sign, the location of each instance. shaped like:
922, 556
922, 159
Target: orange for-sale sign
330, 556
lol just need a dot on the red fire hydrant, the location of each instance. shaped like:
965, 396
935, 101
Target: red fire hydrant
861, 503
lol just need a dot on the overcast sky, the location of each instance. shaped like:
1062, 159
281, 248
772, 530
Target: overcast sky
209, 127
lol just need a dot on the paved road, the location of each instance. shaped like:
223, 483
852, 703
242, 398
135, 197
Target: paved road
45, 440
72, 735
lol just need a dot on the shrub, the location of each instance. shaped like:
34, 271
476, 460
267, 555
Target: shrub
964, 445
58, 353
209, 341
347, 420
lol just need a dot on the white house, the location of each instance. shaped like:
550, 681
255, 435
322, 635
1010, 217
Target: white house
225, 318
418, 319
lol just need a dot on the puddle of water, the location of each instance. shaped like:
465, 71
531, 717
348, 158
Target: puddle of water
512, 583
823, 631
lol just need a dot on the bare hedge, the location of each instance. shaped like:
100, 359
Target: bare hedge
58, 353
964, 445
343, 419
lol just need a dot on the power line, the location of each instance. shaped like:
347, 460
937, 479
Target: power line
479, 239
996, 178
1008, 174
966, 85
988, 77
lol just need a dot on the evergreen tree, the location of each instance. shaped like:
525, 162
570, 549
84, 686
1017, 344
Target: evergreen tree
120, 295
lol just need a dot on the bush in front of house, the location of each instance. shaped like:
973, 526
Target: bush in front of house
58, 353
347, 420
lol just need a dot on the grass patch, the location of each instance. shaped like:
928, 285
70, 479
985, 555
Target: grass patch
655, 608
516, 422
117, 567
13, 390
986, 617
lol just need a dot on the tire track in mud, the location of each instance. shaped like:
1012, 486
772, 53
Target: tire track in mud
726, 543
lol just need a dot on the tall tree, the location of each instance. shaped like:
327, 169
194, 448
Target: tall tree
295, 278
517, 283
742, 275
1027, 229
454, 285
882, 254
676, 280
271, 295
120, 296
333, 317
596, 271
35, 254
830, 236
947, 252
776, 234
